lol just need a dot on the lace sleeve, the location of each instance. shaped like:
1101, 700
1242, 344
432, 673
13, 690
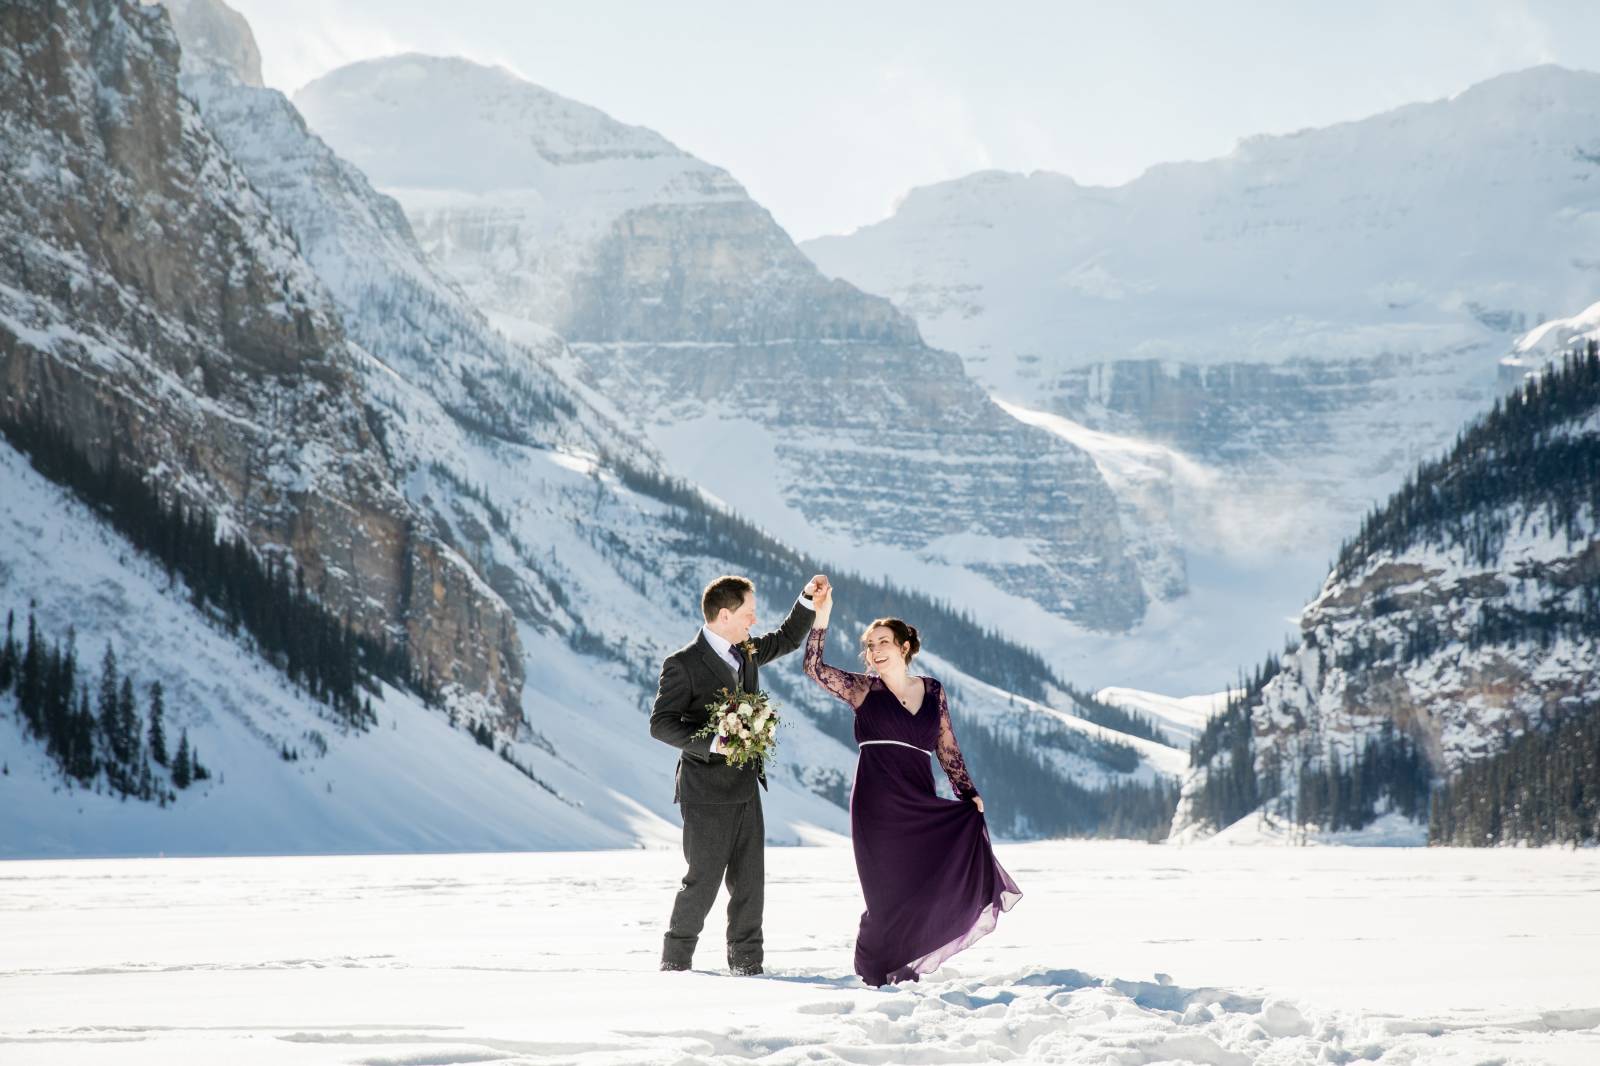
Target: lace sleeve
955, 768
852, 688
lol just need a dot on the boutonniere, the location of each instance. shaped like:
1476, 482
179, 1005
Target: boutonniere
749, 648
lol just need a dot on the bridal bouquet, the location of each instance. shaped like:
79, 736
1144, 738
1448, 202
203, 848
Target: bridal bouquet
748, 722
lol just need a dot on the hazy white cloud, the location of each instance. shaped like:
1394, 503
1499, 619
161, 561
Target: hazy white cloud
300, 42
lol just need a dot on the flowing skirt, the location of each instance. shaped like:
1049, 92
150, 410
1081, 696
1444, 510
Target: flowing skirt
927, 868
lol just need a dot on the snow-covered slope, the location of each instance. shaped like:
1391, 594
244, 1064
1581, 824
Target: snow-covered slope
364, 251
1547, 342
811, 407
1463, 614
552, 507
1181, 718
151, 307
411, 783
1416, 231
1301, 321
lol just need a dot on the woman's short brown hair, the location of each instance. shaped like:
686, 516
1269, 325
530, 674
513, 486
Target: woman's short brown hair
904, 633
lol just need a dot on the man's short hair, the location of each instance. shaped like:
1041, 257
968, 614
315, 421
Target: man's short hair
727, 591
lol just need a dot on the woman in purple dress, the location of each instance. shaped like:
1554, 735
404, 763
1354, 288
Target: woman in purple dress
930, 878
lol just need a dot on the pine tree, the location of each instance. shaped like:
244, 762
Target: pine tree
30, 681
127, 724
81, 762
182, 774
63, 721
8, 653
158, 726
107, 703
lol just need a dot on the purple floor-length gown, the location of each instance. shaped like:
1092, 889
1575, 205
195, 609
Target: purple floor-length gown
929, 875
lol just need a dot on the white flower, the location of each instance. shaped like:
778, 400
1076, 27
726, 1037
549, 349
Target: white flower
745, 710
744, 734
772, 726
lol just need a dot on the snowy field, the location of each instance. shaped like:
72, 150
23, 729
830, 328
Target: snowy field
1119, 953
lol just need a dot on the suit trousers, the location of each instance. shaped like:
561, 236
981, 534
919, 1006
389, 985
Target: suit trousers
721, 841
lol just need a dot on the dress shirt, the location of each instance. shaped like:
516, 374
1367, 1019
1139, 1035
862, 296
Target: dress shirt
735, 659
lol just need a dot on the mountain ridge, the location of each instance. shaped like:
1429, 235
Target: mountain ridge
694, 310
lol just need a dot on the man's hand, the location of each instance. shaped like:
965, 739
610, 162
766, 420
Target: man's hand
821, 594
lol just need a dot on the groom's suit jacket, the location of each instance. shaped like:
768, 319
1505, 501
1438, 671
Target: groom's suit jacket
690, 679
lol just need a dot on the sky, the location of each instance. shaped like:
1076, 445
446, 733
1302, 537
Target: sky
829, 112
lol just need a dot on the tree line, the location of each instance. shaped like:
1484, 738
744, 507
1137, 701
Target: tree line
1230, 788
1387, 772
979, 650
1543, 787
87, 734
1030, 799
1517, 453
313, 646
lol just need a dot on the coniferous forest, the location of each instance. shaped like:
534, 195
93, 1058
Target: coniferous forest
1030, 800
1230, 789
1544, 786
1036, 801
94, 725
242, 592
981, 651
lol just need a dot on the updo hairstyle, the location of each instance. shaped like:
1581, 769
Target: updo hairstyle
904, 633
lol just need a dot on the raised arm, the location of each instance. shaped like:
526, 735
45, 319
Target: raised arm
852, 688
789, 636
955, 768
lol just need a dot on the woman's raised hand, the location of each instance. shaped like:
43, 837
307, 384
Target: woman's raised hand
822, 600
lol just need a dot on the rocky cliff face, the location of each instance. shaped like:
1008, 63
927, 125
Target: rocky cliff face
807, 404
1418, 230
518, 481
214, 33
1463, 613
1298, 323
151, 306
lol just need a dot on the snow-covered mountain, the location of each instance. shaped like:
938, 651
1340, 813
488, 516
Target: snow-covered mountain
1428, 228
1463, 615
409, 783
152, 308
1284, 332
556, 515
810, 406
1545, 343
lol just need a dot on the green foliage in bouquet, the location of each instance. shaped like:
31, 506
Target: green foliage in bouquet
748, 722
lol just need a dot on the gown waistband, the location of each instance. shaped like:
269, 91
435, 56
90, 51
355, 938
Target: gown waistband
901, 743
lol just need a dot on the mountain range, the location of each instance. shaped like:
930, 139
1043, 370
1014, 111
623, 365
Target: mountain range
1259, 346
376, 444
1455, 643
217, 336
809, 405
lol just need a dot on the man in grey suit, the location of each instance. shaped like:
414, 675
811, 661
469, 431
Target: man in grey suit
723, 830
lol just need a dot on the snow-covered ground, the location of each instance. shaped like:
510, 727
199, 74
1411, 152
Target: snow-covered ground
1119, 953
1182, 718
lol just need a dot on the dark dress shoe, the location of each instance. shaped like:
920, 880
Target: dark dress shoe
667, 964
750, 969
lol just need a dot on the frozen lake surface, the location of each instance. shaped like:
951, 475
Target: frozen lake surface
1118, 953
